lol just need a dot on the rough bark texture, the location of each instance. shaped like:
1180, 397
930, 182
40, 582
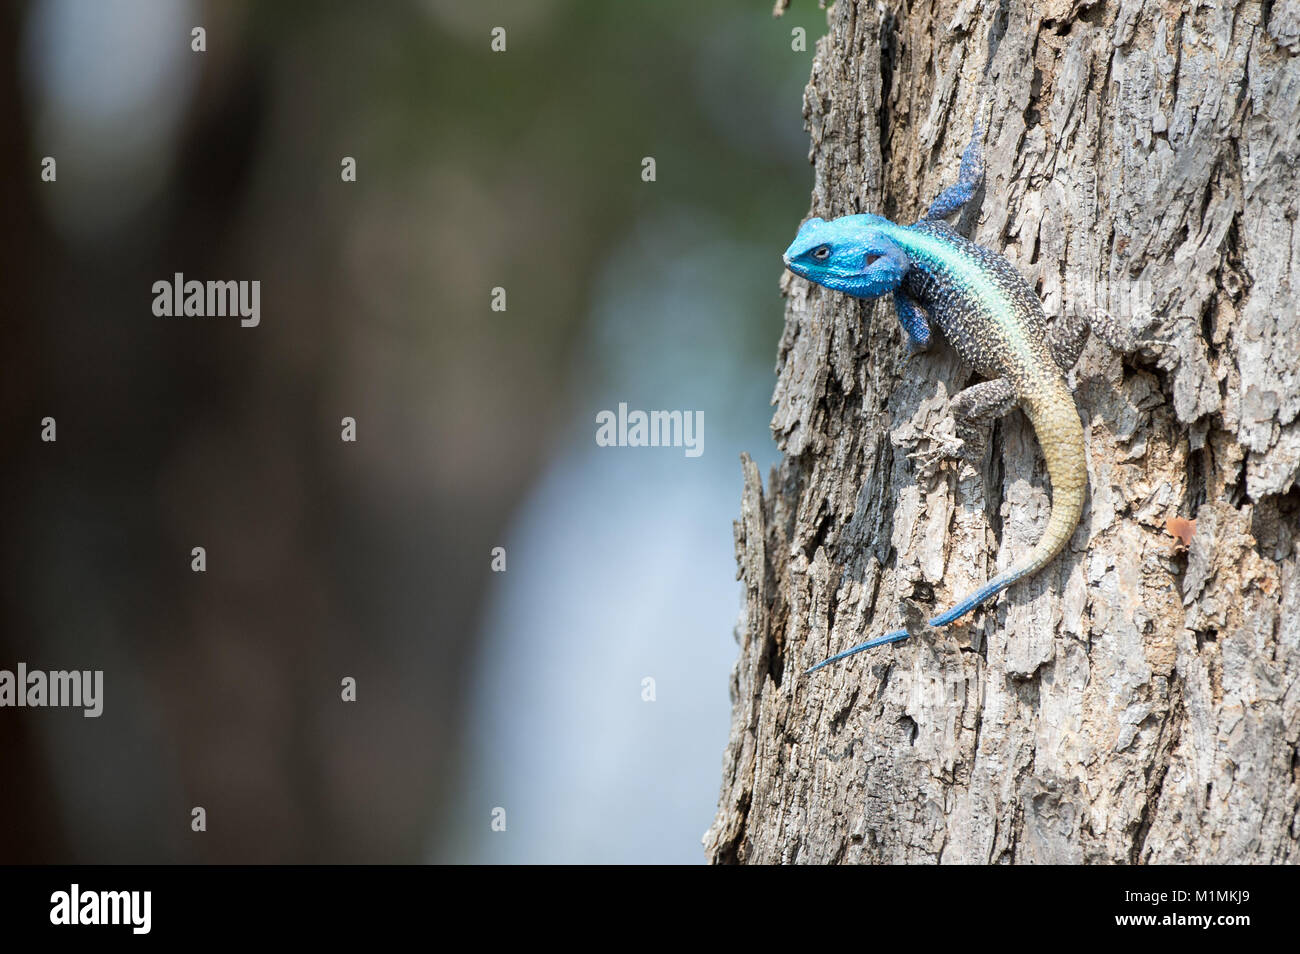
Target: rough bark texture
1138, 700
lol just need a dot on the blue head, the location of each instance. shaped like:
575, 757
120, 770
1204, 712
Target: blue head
852, 254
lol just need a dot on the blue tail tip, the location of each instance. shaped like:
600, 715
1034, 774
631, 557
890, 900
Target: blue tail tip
896, 636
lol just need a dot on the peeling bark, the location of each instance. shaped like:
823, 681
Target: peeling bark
1138, 701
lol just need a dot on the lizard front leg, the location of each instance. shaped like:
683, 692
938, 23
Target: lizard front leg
915, 322
969, 178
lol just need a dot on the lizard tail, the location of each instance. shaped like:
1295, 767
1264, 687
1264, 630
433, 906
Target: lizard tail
1052, 412
1056, 421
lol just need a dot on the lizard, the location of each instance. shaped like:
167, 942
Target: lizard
996, 324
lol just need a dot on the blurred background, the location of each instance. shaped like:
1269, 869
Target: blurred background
521, 690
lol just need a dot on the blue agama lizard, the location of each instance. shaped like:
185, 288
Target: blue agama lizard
996, 324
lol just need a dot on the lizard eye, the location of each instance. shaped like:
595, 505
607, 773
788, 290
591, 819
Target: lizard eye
822, 252
870, 259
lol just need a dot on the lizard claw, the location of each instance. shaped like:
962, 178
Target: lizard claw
944, 447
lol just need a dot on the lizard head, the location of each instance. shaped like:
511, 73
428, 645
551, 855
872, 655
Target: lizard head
851, 254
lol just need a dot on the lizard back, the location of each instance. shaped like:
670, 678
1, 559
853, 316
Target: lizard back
996, 323
984, 307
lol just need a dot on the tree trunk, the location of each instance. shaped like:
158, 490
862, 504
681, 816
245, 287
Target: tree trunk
1138, 700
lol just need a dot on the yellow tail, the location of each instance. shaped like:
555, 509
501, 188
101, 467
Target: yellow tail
1056, 422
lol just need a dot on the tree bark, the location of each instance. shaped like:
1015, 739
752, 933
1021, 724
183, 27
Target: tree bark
1138, 700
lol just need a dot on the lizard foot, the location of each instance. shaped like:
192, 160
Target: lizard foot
945, 447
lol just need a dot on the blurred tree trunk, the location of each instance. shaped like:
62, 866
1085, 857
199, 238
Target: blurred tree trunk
1137, 701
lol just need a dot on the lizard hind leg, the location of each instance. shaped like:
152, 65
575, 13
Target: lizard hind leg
972, 410
978, 406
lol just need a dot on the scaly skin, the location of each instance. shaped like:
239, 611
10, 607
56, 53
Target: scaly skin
994, 321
